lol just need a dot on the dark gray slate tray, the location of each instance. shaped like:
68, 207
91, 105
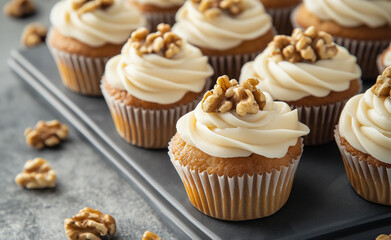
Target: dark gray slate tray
322, 204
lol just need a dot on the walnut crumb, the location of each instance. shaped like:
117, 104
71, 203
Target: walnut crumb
37, 174
214, 8
163, 42
384, 237
33, 34
150, 236
228, 94
310, 45
84, 6
89, 224
46, 134
382, 87
19, 8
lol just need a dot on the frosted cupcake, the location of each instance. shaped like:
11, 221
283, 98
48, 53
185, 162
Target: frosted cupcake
84, 35
363, 27
230, 33
384, 59
310, 73
238, 151
364, 139
156, 79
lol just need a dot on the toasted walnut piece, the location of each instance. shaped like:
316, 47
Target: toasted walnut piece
89, 224
382, 87
19, 8
214, 8
150, 236
46, 134
84, 6
384, 237
37, 174
33, 34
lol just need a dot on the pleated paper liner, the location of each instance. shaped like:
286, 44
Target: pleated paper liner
237, 198
155, 18
148, 128
365, 51
369, 181
281, 19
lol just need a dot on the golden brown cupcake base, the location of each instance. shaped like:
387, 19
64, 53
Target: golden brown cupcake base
149, 8
279, 3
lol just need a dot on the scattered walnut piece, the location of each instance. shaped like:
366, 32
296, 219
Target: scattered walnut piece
84, 6
19, 8
47, 134
163, 42
310, 45
382, 87
89, 224
228, 94
150, 236
37, 174
214, 8
384, 237
33, 34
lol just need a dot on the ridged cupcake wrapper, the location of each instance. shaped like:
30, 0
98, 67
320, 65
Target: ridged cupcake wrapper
78, 73
281, 19
369, 181
237, 198
155, 19
365, 51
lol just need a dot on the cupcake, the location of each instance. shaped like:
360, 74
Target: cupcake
364, 139
363, 27
158, 11
384, 59
85, 34
238, 151
230, 33
281, 11
157, 78
310, 73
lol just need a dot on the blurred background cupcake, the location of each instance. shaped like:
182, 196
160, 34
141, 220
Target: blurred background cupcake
230, 33
312, 74
363, 27
384, 59
158, 11
364, 139
156, 79
238, 151
281, 11
84, 35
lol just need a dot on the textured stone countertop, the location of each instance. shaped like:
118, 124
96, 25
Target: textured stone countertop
84, 177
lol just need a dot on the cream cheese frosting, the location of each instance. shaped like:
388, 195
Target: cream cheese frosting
387, 57
99, 27
222, 32
292, 81
365, 123
352, 13
154, 78
161, 3
269, 132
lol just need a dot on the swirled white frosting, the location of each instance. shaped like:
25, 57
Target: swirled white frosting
352, 13
222, 32
154, 78
99, 27
292, 81
387, 57
365, 123
161, 3
268, 132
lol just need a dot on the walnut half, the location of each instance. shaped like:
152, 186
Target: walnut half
19, 8
37, 174
382, 87
46, 134
84, 6
150, 236
34, 34
89, 224
384, 237
214, 8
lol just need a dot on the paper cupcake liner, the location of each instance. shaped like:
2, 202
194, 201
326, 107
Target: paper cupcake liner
78, 73
281, 19
155, 18
365, 51
148, 128
369, 181
237, 198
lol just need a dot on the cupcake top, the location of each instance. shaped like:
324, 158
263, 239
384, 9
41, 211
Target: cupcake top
158, 67
306, 64
352, 13
365, 121
238, 120
221, 24
96, 23
161, 3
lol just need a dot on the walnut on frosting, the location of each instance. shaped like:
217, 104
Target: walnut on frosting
84, 6
382, 87
163, 42
228, 94
309, 45
214, 8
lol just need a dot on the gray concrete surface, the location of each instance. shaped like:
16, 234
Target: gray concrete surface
84, 176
